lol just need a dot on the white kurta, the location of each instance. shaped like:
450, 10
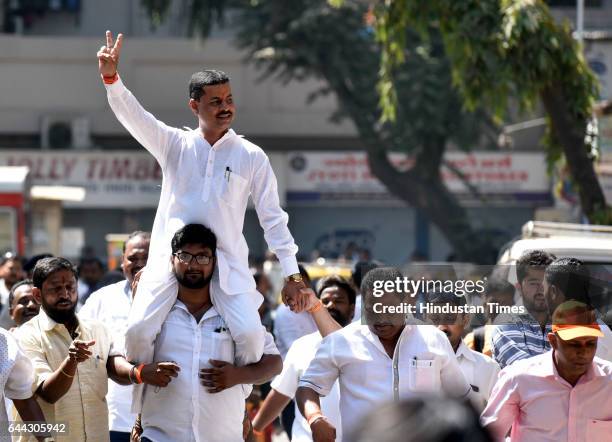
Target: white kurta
423, 363
184, 410
208, 185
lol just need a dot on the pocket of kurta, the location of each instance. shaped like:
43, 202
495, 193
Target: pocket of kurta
232, 189
598, 431
222, 347
423, 376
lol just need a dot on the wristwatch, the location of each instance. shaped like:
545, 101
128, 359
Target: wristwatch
296, 277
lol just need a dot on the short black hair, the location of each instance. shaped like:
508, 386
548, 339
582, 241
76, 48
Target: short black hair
194, 234
360, 269
11, 297
31, 263
571, 276
137, 234
445, 298
495, 284
47, 266
380, 274
91, 260
208, 77
337, 281
532, 258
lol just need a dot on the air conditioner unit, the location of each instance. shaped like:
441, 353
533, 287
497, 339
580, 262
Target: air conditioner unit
65, 132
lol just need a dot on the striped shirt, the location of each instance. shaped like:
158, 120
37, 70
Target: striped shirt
519, 337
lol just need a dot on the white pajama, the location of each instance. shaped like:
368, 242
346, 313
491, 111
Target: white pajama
197, 188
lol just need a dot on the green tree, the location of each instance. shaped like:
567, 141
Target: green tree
297, 39
501, 49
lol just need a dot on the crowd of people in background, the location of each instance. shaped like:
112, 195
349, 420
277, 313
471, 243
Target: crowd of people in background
546, 371
169, 349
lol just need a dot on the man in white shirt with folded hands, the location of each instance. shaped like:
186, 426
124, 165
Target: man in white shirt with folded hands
208, 175
387, 360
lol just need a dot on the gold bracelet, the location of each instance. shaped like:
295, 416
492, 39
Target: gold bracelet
65, 374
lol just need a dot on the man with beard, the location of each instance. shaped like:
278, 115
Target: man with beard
22, 304
111, 305
387, 359
73, 357
521, 336
208, 175
479, 370
338, 297
206, 402
569, 279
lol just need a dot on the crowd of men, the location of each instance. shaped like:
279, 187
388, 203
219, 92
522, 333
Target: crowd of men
66, 363
171, 351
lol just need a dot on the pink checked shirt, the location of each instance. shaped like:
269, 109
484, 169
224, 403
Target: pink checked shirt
541, 406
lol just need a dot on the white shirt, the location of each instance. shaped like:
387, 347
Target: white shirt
289, 326
111, 305
423, 363
184, 410
295, 364
16, 372
481, 373
197, 188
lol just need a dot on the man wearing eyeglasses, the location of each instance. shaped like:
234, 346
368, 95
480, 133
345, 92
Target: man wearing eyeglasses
206, 402
208, 175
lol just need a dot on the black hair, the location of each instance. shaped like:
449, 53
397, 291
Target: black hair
380, 274
11, 297
570, 276
360, 269
532, 258
208, 77
47, 266
194, 234
137, 234
31, 263
498, 285
257, 276
337, 281
90, 260
426, 419
445, 298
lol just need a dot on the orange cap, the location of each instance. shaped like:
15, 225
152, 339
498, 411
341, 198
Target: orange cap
574, 319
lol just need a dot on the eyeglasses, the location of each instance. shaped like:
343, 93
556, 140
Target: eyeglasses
187, 258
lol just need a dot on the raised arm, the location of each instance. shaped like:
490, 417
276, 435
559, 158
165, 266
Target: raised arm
154, 135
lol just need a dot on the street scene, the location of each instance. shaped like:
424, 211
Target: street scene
306, 220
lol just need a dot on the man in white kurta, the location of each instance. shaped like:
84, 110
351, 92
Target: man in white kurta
386, 360
208, 175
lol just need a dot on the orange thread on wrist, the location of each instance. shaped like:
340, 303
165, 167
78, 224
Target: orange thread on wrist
316, 308
110, 79
138, 374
